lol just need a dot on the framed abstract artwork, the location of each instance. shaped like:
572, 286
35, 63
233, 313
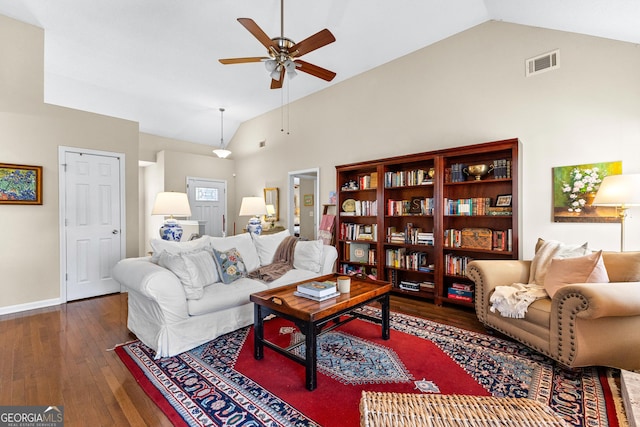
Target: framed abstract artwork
575, 187
20, 184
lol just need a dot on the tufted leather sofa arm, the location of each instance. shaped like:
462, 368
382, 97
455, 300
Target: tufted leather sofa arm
486, 277
596, 324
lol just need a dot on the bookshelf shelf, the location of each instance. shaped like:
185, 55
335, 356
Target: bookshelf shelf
412, 199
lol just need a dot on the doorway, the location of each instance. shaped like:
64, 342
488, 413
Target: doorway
303, 207
92, 225
208, 201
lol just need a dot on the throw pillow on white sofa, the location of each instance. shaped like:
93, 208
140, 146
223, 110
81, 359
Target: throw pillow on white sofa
308, 255
195, 270
266, 245
244, 245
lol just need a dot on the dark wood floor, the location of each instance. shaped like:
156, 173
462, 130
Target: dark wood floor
62, 356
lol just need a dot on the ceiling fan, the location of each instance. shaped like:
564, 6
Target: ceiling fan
284, 52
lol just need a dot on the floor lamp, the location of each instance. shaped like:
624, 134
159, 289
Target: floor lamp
620, 191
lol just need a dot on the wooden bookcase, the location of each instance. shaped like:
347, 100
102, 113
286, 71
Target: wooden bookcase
417, 220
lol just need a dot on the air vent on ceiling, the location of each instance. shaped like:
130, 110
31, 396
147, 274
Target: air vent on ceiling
541, 63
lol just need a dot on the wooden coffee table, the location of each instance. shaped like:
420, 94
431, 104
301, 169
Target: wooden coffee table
313, 318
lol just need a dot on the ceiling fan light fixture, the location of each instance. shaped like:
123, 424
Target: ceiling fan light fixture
270, 65
222, 152
275, 74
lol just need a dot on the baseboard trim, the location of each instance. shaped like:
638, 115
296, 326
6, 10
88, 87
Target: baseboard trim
29, 306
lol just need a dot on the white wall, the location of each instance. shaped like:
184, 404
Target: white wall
467, 89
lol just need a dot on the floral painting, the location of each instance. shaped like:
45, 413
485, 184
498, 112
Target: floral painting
20, 184
575, 187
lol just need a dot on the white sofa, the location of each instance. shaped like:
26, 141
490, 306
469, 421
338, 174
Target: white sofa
174, 310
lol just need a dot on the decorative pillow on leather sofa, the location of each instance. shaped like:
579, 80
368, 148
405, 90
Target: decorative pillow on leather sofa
546, 250
584, 269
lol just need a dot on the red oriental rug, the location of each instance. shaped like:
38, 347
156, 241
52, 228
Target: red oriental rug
220, 383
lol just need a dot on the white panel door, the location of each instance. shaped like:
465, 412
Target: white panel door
208, 201
92, 224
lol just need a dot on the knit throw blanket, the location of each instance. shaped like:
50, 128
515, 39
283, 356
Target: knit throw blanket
282, 262
514, 300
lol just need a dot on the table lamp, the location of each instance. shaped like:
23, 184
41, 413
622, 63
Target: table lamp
172, 204
620, 191
253, 207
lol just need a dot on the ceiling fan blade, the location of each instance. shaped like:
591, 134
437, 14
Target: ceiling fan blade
257, 32
314, 70
277, 84
227, 61
316, 41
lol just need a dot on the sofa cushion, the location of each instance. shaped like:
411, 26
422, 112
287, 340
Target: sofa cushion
267, 244
195, 270
245, 246
546, 250
230, 265
159, 245
622, 266
308, 255
219, 296
584, 269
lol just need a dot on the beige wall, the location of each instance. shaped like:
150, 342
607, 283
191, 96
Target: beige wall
30, 133
169, 172
467, 89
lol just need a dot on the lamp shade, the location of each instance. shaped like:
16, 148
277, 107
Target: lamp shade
271, 210
222, 153
619, 190
171, 203
253, 206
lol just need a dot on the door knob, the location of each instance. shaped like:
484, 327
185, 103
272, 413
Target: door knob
115, 232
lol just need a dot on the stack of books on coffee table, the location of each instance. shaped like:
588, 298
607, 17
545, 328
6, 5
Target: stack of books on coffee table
317, 291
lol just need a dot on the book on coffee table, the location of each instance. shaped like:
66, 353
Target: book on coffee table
317, 289
319, 299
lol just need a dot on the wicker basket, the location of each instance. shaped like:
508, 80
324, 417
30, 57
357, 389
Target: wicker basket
406, 409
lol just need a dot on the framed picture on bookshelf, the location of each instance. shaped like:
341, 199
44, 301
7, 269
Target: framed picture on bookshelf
503, 200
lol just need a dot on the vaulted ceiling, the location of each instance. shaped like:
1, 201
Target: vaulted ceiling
156, 61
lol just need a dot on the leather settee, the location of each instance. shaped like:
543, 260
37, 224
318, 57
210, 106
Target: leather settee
584, 324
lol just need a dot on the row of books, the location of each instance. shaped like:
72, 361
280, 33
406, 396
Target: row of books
502, 168
415, 206
362, 182
354, 231
363, 208
460, 292
409, 260
407, 178
351, 270
409, 285
455, 265
501, 240
467, 207
411, 236
317, 291
360, 252
457, 173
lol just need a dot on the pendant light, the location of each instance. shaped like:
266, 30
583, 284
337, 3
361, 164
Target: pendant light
222, 152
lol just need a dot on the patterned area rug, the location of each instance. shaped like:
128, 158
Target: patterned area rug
219, 383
